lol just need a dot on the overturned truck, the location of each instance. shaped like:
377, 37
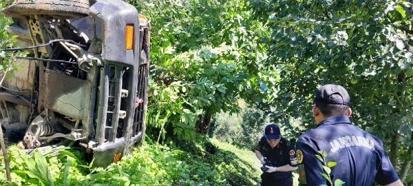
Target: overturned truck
84, 80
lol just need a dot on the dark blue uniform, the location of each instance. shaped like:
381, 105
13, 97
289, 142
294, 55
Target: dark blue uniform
278, 156
359, 156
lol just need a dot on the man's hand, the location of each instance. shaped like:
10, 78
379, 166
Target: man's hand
260, 157
270, 169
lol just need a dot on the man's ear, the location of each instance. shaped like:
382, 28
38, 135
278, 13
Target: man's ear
316, 110
349, 112
317, 114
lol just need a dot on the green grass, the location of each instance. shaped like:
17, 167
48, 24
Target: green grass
245, 155
151, 164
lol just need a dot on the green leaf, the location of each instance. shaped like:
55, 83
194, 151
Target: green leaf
319, 157
327, 170
331, 164
66, 180
401, 11
326, 177
42, 168
339, 182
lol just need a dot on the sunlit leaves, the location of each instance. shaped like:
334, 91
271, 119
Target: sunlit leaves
149, 165
5, 39
366, 46
203, 54
363, 45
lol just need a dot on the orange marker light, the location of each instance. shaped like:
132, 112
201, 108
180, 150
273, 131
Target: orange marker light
117, 157
129, 37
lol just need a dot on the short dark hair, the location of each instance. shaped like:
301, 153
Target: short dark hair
332, 109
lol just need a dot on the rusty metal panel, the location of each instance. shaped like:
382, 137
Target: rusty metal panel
66, 95
21, 78
70, 8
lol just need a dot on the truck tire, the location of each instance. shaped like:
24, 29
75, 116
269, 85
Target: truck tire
66, 8
14, 132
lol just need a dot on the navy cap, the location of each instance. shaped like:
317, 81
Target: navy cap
272, 131
332, 94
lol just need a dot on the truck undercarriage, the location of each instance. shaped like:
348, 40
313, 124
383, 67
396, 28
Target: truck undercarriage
84, 80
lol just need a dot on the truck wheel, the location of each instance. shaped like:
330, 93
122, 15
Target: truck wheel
66, 8
14, 132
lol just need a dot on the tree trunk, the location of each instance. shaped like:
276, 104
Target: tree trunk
6, 158
407, 164
395, 136
394, 147
405, 169
204, 122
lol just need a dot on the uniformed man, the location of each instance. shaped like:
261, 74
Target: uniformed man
356, 157
276, 156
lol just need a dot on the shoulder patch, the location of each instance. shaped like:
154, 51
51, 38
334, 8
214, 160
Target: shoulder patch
299, 155
291, 152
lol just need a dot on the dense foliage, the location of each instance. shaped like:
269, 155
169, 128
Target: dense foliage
365, 46
149, 165
224, 68
5, 41
203, 54
243, 129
